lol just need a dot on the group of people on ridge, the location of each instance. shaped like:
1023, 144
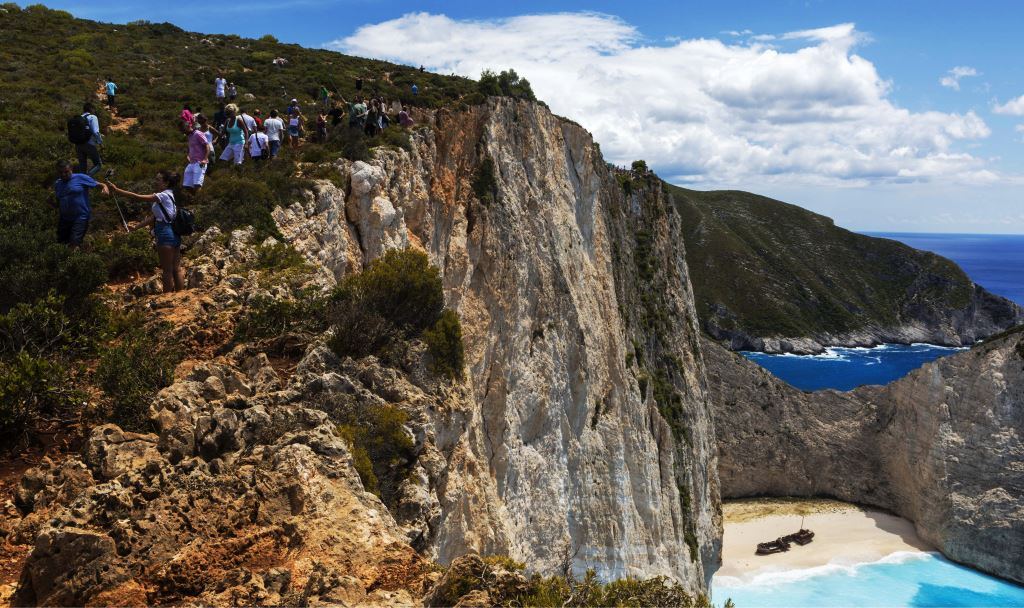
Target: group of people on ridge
232, 128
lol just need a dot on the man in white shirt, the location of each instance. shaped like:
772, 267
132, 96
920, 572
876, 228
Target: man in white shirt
273, 127
258, 144
90, 150
250, 122
218, 85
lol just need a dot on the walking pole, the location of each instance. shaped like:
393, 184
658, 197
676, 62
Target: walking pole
109, 174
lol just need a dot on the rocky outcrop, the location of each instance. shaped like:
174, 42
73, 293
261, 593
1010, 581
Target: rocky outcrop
776, 278
943, 447
586, 436
581, 437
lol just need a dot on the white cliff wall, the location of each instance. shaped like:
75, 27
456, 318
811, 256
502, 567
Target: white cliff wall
582, 434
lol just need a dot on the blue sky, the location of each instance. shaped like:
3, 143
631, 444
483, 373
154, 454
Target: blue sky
837, 106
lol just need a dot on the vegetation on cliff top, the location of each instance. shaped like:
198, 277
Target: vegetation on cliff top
765, 268
51, 64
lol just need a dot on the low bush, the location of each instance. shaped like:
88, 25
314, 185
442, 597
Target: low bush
381, 448
30, 387
444, 343
398, 295
485, 186
266, 317
132, 370
125, 253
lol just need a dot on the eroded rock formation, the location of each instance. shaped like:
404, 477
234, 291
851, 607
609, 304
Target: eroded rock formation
581, 436
943, 447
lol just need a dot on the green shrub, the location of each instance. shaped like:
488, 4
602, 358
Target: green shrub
31, 386
398, 295
132, 370
276, 257
444, 343
507, 84
37, 329
266, 317
125, 253
485, 185
381, 448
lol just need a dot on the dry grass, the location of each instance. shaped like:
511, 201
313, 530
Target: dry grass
749, 509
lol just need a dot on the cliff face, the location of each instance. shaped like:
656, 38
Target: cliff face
942, 447
561, 454
581, 437
774, 277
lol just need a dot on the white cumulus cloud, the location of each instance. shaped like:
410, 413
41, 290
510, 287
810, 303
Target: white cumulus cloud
703, 111
953, 76
1014, 107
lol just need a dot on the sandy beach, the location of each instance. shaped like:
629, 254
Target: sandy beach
843, 534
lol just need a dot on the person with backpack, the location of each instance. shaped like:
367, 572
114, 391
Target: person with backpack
237, 133
84, 132
111, 91
232, 91
259, 145
163, 213
71, 192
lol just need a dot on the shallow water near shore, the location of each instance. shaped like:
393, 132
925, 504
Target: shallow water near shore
847, 368
902, 579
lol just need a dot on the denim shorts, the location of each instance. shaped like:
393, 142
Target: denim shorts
165, 236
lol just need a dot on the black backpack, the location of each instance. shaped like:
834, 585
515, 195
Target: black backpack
79, 131
184, 222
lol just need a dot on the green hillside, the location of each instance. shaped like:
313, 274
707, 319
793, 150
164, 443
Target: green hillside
60, 341
762, 267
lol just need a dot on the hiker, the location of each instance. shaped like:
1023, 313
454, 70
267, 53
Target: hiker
218, 120
321, 126
324, 95
236, 132
371, 124
218, 88
187, 117
111, 91
84, 132
161, 219
336, 113
259, 144
294, 128
415, 89
71, 191
210, 133
250, 122
198, 159
292, 107
356, 113
274, 127
232, 91
404, 119
257, 115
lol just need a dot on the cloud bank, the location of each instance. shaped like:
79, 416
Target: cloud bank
796, 107
1014, 107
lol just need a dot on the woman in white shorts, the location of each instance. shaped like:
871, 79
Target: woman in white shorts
237, 133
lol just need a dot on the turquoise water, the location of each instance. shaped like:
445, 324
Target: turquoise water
902, 580
847, 368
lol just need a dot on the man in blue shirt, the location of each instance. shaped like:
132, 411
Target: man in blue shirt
72, 194
111, 91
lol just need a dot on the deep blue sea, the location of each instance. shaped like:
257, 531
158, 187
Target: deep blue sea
994, 261
901, 580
